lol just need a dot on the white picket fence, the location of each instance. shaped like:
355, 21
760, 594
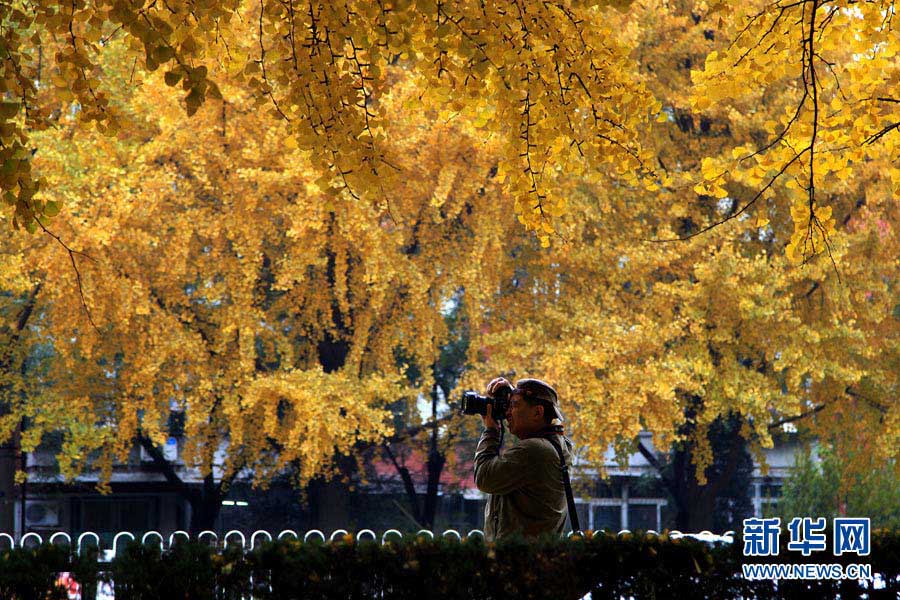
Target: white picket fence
235, 536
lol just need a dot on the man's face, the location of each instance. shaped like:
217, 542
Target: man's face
522, 418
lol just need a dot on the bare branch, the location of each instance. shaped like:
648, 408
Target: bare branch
804, 415
72, 254
739, 212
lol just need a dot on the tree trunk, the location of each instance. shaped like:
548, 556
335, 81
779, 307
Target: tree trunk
436, 461
408, 486
11, 451
695, 504
205, 506
694, 509
205, 502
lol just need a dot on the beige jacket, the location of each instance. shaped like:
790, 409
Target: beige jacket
525, 485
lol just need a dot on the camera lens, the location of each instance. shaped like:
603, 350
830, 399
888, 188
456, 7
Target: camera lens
473, 404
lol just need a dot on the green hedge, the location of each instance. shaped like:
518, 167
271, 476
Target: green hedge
638, 566
30, 574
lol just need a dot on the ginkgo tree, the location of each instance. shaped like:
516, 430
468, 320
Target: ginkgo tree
833, 67
246, 263
223, 283
643, 333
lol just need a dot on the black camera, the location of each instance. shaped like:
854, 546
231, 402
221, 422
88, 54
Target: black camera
475, 404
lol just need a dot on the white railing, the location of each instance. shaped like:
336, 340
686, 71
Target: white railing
231, 538
236, 537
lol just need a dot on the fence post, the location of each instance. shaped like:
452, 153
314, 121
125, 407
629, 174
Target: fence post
368, 531
157, 534
384, 535
243, 539
178, 532
63, 534
212, 533
253, 537
81, 537
342, 532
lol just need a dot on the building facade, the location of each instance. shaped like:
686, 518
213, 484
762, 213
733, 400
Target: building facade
631, 497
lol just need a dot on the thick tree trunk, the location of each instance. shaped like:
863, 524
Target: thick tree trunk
436, 462
694, 509
205, 502
695, 504
205, 506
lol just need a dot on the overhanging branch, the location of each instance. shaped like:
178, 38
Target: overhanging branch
809, 413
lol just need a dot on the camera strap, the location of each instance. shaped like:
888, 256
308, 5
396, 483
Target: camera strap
564, 469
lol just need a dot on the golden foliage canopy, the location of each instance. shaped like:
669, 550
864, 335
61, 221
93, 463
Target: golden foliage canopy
228, 286
635, 331
833, 67
555, 82
550, 80
349, 169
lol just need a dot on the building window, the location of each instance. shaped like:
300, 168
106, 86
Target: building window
607, 517
642, 516
766, 495
107, 515
771, 490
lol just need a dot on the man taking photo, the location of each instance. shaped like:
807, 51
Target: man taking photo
526, 492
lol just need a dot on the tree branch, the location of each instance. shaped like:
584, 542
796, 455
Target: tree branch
808, 413
656, 464
408, 484
72, 254
165, 466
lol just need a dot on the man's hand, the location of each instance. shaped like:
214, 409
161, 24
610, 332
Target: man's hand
492, 387
488, 419
496, 384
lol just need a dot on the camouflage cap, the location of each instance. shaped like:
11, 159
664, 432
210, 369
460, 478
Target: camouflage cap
535, 389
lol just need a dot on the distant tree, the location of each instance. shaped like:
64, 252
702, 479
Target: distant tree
440, 448
718, 499
824, 484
